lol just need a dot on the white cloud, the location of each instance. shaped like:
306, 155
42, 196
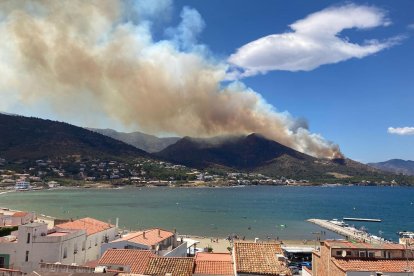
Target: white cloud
401, 130
313, 41
411, 26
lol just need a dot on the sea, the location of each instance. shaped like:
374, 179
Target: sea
266, 212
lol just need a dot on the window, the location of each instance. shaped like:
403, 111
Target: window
371, 254
2, 262
75, 248
65, 253
362, 254
28, 237
96, 241
338, 252
27, 256
83, 245
348, 253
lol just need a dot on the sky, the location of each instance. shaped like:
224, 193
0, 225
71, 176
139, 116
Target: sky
322, 71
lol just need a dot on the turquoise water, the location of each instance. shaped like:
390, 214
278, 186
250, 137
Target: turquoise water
246, 211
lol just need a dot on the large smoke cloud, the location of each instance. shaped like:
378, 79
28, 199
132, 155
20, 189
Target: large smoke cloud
99, 57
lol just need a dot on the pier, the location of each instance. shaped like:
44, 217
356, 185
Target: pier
348, 232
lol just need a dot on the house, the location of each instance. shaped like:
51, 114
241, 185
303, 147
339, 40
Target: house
34, 244
126, 260
342, 258
20, 218
213, 264
259, 259
160, 242
22, 185
97, 233
11, 218
173, 266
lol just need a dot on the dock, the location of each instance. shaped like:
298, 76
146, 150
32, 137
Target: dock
348, 232
363, 219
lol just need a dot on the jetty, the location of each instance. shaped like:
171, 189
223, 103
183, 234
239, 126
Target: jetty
363, 219
348, 232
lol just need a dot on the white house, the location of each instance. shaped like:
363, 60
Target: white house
97, 232
158, 241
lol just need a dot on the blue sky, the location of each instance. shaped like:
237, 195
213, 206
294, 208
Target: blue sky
344, 68
352, 102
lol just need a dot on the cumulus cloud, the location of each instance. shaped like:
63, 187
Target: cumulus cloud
313, 41
401, 130
93, 59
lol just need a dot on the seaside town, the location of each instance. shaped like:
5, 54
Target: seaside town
206, 138
111, 173
32, 245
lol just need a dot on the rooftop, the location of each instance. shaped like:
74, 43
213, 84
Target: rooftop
176, 266
259, 258
137, 260
91, 225
377, 265
204, 256
152, 236
20, 214
362, 245
213, 264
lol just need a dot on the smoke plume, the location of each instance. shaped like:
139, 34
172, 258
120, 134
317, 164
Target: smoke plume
100, 57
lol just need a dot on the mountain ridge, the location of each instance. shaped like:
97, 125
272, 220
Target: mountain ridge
399, 166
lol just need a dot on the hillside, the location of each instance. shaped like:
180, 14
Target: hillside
255, 153
146, 142
399, 166
24, 138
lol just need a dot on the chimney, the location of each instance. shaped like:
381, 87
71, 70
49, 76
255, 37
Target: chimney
143, 235
159, 233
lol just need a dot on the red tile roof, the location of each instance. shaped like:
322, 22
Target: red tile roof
159, 266
137, 260
213, 264
213, 268
259, 258
19, 214
204, 256
362, 245
91, 225
152, 236
376, 265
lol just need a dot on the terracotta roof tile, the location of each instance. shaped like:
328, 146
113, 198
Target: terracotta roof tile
20, 214
362, 245
159, 266
377, 265
213, 264
204, 256
152, 236
259, 258
213, 268
91, 225
137, 260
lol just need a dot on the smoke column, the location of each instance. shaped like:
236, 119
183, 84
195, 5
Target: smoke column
99, 57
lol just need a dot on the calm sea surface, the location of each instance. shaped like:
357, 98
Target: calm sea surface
246, 211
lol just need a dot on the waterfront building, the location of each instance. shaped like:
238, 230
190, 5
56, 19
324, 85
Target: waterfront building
8, 218
345, 258
213, 264
126, 260
22, 185
259, 259
97, 233
158, 241
34, 243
